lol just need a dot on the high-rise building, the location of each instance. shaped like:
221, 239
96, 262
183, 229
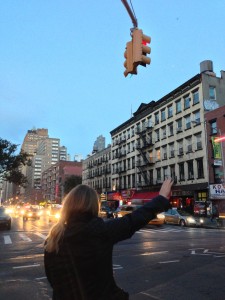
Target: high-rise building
99, 144
31, 139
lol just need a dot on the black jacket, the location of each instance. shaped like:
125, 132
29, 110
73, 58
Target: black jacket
82, 269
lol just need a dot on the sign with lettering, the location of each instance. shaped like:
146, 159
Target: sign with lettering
217, 191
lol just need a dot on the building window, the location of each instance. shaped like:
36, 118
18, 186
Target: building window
197, 117
198, 141
200, 169
163, 115
179, 125
157, 135
157, 118
151, 177
164, 152
172, 172
187, 102
213, 127
163, 132
158, 154
212, 93
178, 106
190, 170
189, 144
170, 127
188, 122
171, 150
170, 111
181, 172
195, 97
158, 174
165, 173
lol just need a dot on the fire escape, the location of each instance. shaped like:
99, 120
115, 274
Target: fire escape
144, 143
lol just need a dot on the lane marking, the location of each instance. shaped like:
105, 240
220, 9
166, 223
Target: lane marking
152, 253
41, 235
24, 237
169, 261
117, 267
40, 278
7, 239
28, 266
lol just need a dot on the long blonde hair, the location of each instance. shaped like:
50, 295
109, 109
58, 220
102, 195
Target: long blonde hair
81, 199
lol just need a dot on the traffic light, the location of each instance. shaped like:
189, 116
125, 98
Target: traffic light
128, 64
140, 48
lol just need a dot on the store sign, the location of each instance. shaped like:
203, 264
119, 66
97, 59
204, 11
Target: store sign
218, 162
217, 191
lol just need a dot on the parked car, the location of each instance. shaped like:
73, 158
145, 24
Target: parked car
5, 218
182, 218
128, 208
31, 213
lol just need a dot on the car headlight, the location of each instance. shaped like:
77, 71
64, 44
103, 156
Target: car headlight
119, 215
22, 212
57, 216
30, 214
191, 220
9, 210
161, 216
201, 221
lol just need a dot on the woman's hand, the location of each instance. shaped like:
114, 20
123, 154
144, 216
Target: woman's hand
166, 188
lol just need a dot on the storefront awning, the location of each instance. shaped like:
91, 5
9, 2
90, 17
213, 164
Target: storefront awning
144, 196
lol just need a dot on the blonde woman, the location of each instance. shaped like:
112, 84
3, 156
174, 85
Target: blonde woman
79, 247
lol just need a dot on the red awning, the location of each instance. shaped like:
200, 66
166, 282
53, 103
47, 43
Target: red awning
144, 195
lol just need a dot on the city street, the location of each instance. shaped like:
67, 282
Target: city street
167, 262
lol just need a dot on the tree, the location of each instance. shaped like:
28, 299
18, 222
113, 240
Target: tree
71, 182
10, 163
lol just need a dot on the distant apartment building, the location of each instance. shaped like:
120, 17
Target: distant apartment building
99, 144
54, 177
78, 157
31, 139
97, 170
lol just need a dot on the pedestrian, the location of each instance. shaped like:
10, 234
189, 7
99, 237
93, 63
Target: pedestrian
215, 212
79, 247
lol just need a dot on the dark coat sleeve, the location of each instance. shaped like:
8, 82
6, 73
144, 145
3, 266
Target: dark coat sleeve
122, 228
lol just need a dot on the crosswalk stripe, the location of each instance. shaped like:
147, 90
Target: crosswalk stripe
24, 237
7, 239
41, 235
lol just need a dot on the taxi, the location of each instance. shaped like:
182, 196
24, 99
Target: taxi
129, 208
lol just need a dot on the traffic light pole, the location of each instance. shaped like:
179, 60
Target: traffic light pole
133, 19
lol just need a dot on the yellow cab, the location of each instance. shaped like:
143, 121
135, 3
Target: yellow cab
129, 208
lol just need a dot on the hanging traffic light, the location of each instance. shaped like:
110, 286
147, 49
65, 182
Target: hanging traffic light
128, 64
140, 48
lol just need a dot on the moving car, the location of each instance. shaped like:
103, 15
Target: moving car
54, 212
128, 208
5, 219
31, 213
181, 217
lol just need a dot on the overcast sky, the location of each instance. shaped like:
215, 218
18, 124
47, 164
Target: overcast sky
61, 62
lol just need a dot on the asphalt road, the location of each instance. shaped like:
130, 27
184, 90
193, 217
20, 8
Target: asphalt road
165, 263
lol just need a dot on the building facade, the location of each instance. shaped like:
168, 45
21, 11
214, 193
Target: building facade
169, 138
97, 170
54, 177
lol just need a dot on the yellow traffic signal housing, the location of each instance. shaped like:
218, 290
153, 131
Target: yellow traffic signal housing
140, 49
128, 64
